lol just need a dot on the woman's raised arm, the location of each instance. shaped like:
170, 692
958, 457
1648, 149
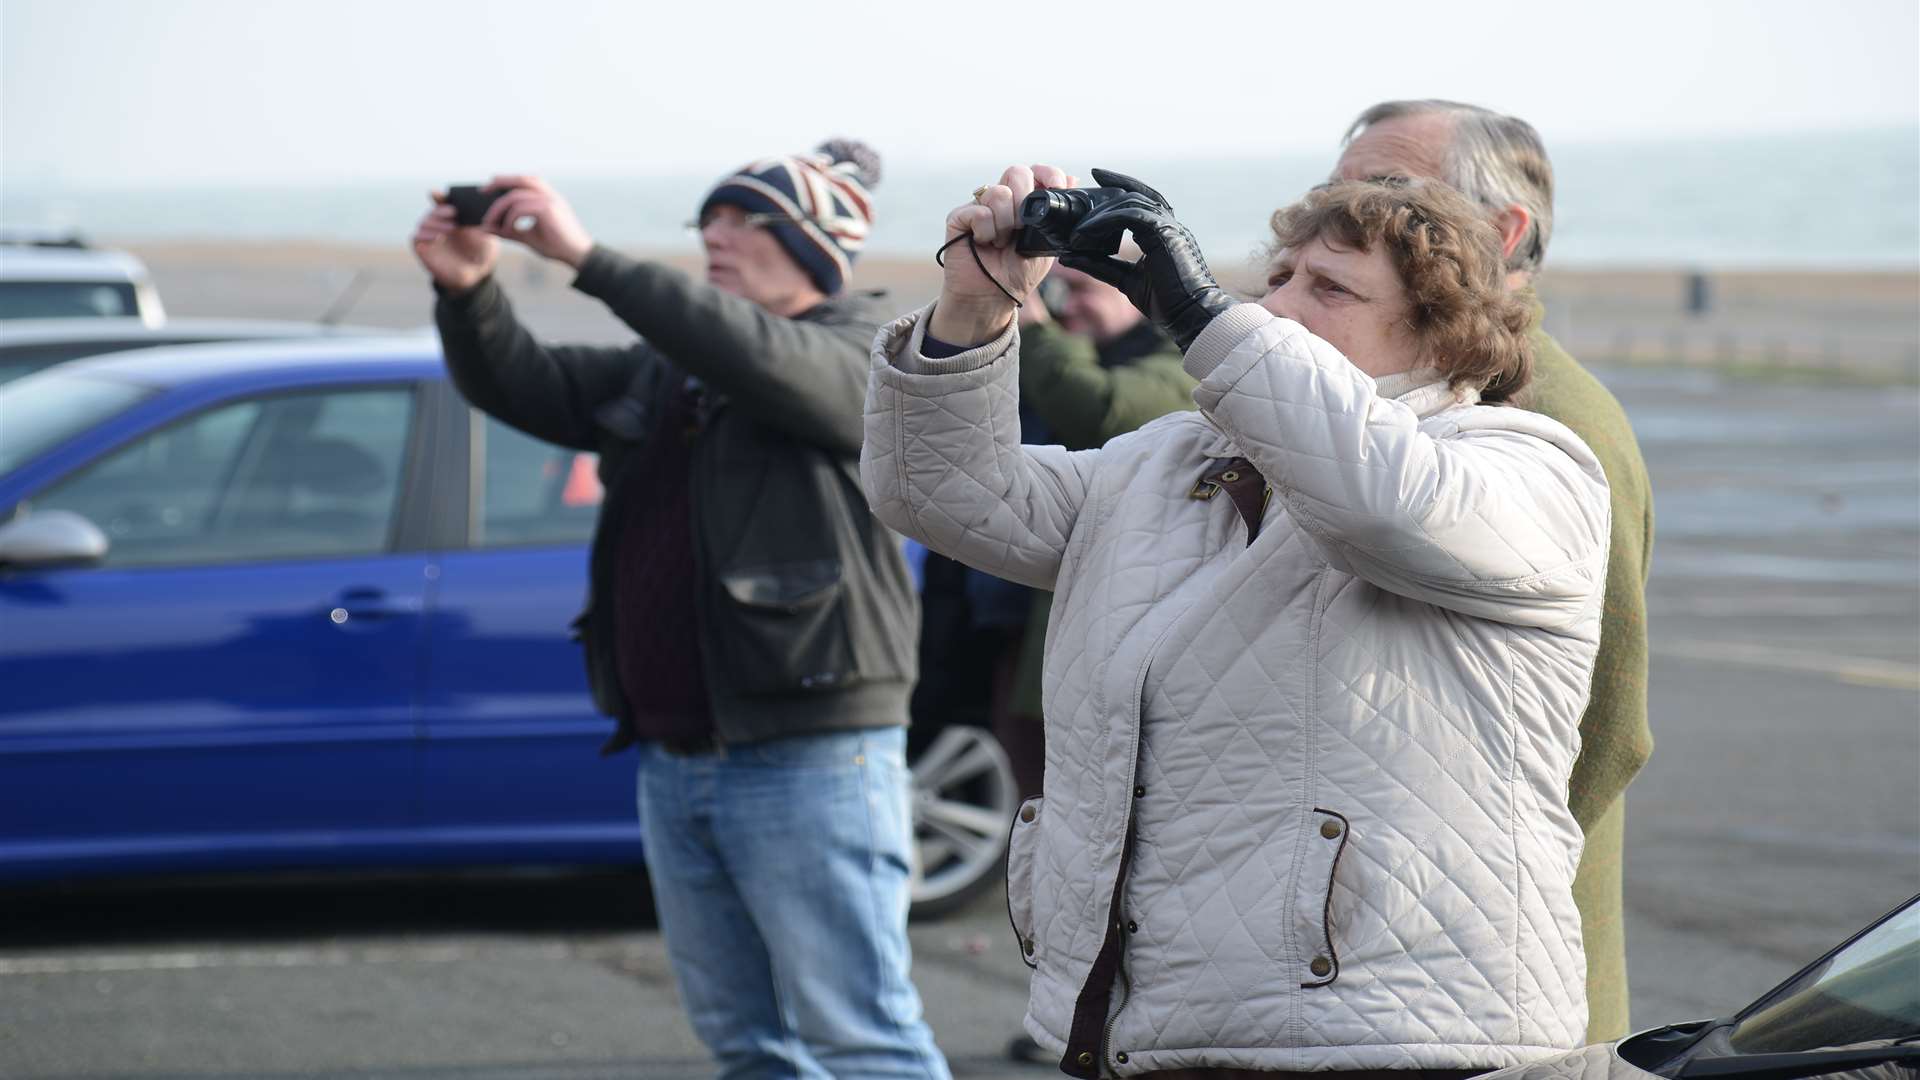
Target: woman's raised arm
942, 461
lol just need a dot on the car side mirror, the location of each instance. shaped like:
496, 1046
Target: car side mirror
51, 538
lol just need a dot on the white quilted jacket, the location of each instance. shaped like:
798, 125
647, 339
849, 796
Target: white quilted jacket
1341, 752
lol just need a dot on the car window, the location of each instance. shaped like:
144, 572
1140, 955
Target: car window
310, 474
36, 414
533, 492
17, 361
67, 299
1866, 993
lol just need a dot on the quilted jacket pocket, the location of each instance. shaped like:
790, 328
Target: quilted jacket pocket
1313, 903
1020, 842
785, 627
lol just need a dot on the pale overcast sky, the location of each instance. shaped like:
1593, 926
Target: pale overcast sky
193, 92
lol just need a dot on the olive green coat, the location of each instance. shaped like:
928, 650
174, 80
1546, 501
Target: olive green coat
1615, 739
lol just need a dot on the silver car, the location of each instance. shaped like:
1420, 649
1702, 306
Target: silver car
43, 278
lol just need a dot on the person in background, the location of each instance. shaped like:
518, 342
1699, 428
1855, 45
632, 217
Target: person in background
750, 626
1499, 162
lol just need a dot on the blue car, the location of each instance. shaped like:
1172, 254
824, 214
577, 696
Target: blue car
291, 605
277, 604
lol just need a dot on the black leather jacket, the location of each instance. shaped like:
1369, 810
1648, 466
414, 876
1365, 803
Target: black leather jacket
807, 615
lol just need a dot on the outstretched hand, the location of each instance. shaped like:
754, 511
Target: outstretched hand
1170, 284
458, 256
974, 307
536, 215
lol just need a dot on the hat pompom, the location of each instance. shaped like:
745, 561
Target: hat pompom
864, 159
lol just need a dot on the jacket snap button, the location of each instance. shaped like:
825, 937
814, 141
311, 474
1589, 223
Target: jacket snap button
1329, 828
1027, 813
1320, 966
1084, 1058
1121, 1057
1132, 927
1139, 791
1028, 945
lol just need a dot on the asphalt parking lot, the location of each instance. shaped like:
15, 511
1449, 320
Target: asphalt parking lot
1780, 812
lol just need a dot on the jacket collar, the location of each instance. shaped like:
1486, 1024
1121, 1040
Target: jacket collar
1424, 390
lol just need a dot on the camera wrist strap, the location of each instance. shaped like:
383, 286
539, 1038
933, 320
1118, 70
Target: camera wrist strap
940, 260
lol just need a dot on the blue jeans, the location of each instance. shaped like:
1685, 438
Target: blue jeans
780, 874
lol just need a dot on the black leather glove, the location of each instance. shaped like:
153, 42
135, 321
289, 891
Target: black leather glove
1170, 284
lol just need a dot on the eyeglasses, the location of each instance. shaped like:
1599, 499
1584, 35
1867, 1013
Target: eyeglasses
745, 221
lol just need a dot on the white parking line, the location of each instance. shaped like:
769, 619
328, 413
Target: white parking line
1863, 671
1795, 607
1811, 840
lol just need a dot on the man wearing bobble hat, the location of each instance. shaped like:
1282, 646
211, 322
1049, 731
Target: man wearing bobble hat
750, 627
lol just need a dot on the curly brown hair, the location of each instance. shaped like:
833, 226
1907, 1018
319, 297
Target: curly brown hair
1448, 256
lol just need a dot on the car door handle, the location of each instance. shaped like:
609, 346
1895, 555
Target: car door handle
370, 603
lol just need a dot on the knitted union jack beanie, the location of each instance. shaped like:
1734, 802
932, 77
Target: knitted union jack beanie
823, 199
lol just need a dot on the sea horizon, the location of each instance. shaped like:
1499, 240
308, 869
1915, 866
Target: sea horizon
1828, 200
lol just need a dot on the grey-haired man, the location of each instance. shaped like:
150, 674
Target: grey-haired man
1501, 162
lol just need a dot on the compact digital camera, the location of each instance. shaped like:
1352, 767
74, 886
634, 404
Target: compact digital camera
1049, 216
470, 203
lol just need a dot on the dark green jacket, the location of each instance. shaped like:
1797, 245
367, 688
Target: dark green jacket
1086, 395
1615, 739
806, 613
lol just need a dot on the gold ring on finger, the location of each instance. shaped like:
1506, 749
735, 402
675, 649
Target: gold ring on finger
979, 191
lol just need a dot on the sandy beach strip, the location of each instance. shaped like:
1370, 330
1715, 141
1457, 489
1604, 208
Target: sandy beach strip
1854, 319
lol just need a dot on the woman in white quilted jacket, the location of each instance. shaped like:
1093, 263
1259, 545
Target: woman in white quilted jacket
1317, 651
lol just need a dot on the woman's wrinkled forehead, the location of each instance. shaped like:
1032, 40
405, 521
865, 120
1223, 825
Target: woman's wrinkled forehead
1369, 273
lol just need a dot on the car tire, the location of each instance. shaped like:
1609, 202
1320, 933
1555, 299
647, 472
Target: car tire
964, 798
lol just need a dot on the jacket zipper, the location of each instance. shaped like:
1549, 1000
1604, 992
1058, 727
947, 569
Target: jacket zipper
1113, 1014
1126, 856
1117, 904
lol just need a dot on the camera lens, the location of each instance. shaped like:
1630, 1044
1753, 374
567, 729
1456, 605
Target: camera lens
1065, 207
